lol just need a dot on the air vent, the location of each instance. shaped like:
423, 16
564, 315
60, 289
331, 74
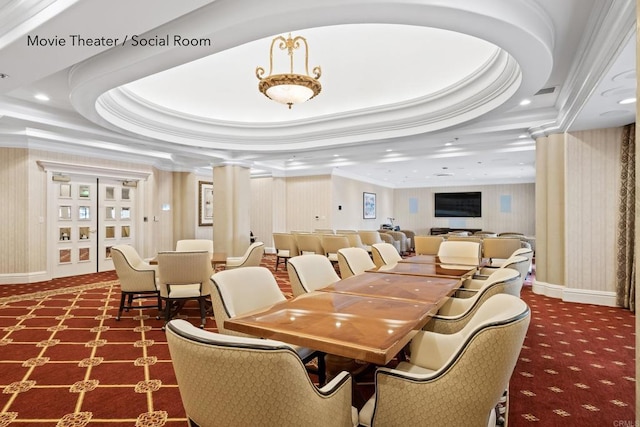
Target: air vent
444, 174
546, 90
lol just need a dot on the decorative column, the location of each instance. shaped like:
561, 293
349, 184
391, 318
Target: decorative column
231, 208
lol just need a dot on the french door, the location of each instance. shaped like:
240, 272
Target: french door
92, 215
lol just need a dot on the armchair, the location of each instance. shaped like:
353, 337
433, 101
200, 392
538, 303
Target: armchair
263, 382
457, 379
354, 261
137, 279
385, 254
251, 257
310, 272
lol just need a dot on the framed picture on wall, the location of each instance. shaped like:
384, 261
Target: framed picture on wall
369, 205
205, 203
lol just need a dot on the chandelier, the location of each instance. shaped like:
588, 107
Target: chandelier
289, 88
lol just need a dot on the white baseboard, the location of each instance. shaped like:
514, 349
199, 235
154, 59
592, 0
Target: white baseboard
22, 278
582, 296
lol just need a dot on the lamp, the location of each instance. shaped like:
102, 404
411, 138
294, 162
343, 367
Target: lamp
289, 88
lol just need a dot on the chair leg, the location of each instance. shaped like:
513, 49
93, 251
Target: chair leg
122, 298
130, 304
159, 307
167, 312
203, 312
322, 369
277, 262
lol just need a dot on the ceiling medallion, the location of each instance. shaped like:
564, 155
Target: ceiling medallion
289, 88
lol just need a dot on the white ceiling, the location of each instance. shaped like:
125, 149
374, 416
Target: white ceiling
414, 94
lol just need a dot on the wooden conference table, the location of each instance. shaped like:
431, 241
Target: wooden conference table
217, 258
370, 316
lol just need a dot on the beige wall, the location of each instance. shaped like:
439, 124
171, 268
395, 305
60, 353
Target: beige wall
348, 193
521, 218
592, 182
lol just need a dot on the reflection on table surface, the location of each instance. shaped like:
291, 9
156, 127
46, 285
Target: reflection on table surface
434, 259
424, 269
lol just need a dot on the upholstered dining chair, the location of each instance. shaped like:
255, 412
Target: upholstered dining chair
263, 382
456, 312
369, 237
137, 279
460, 249
499, 248
194, 245
410, 239
427, 245
310, 272
331, 243
518, 263
251, 258
285, 246
352, 261
384, 254
355, 241
184, 276
309, 243
455, 379
240, 291
387, 238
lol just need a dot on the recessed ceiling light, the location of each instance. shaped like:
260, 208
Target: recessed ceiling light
336, 155
524, 136
627, 101
448, 143
41, 97
525, 102
388, 150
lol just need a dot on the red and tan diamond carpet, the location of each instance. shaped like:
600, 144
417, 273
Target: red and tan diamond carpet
66, 361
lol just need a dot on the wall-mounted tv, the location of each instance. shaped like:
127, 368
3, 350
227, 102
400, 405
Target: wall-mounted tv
456, 205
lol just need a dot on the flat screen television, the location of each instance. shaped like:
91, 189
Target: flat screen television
456, 205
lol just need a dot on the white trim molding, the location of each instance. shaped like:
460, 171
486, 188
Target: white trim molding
583, 296
24, 278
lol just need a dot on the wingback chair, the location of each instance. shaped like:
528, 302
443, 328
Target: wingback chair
251, 258
310, 272
137, 279
263, 382
456, 379
194, 245
183, 276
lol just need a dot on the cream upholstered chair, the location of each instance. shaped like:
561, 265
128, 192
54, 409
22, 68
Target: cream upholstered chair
459, 249
499, 248
286, 247
137, 279
456, 379
352, 261
240, 291
331, 243
310, 272
355, 241
387, 238
528, 254
427, 245
369, 237
385, 254
194, 245
251, 257
324, 231
456, 312
518, 263
183, 276
309, 243
263, 382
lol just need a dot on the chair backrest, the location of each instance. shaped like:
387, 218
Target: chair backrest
285, 242
427, 245
251, 258
309, 243
324, 231
384, 254
332, 242
474, 239
369, 237
310, 272
133, 273
518, 263
264, 381
471, 370
354, 261
386, 238
184, 268
459, 249
499, 247
354, 240
194, 245
239, 291
525, 252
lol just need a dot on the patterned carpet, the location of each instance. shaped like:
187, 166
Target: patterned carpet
66, 361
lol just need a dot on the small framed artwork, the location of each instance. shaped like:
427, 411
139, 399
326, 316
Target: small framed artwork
205, 203
369, 205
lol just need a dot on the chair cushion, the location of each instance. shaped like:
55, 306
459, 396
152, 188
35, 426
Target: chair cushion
283, 253
185, 291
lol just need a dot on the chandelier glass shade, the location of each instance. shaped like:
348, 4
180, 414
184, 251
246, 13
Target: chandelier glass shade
289, 88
